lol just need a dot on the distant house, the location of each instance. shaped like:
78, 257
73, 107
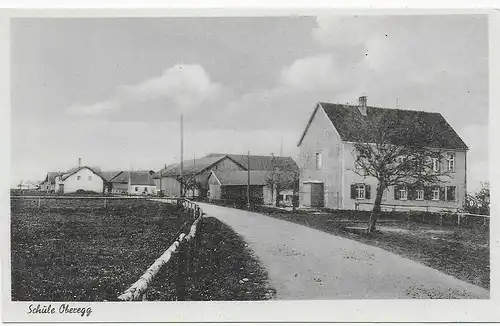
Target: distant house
48, 184
133, 183
195, 171
82, 178
232, 186
327, 161
29, 185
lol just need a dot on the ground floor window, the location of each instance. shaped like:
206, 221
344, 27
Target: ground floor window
435, 194
360, 192
136, 188
450, 193
403, 194
420, 194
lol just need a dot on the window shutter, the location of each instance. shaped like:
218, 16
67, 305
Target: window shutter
450, 193
427, 193
441, 193
353, 191
367, 191
396, 192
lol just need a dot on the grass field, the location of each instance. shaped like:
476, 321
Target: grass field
459, 251
78, 250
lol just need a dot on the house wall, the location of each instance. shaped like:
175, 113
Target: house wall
141, 189
240, 193
73, 183
119, 188
321, 137
457, 179
214, 187
170, 186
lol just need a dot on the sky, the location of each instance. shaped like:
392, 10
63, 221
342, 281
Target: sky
111, 90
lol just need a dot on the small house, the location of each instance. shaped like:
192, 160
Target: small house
133, 183
82, 178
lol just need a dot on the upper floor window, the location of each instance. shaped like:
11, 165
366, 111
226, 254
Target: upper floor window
435, 164
78, 177
420, 194
318, 161
90, 177
451, 162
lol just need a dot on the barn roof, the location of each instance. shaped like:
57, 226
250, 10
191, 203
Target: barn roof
108, 175
51, 177
193, 166
240, 178
261, 162
143, 178
428, 129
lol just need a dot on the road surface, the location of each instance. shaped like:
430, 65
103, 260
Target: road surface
304, 263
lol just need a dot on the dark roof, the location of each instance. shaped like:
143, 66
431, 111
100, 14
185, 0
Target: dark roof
193, 166
136, 178
261, 162
108, 175
240, 178
73, 171
51, 177
428, 129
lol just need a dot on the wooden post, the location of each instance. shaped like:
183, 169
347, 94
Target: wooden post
180, 286
248, 180
39, 202
458, 219
105, 203
441, 219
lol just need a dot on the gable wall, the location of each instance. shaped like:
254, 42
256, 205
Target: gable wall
72, 184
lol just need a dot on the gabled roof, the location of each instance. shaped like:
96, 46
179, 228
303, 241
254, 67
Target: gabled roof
194, 166
261, 162
108, 175
51, 177
240, 178
73, 171
428, 129
143, 178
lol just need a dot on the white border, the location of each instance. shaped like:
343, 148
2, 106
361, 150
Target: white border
270, 311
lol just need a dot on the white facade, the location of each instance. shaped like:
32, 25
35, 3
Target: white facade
141, 190
83, 179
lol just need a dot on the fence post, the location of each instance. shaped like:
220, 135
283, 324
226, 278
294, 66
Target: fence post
458, 219
39, 202
105, 202
441, 219
180, 286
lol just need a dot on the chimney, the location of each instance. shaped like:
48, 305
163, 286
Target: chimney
362, 105
79, 162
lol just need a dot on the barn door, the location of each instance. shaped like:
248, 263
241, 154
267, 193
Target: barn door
317, 195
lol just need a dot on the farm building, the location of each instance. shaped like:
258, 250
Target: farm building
328, 175
48, 184
82, 178
195, 174
132, 183
232, 186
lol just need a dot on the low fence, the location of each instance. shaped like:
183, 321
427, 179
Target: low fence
56, 201
439, 215
181, 250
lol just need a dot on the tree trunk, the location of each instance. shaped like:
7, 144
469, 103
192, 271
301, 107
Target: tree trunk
376, 209
278, 190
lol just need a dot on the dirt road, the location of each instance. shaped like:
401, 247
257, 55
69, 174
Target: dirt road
305, 263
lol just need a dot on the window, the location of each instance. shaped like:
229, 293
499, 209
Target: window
360, 192
420, 194
403, 194
146, 189
435, 164
90, 177
435, 194
451, 162
450, 193
136, 188
78, 177
318, 160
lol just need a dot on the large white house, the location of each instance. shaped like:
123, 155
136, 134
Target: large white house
327, 163
82, 178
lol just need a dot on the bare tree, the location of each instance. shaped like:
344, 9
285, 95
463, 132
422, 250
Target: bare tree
479, 202
285, 175
397, 156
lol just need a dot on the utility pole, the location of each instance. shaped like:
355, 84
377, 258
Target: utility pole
248, 180
182, 156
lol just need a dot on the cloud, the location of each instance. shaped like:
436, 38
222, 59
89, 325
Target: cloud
316, 72
185, 86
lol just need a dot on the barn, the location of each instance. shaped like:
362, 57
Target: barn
231, 186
